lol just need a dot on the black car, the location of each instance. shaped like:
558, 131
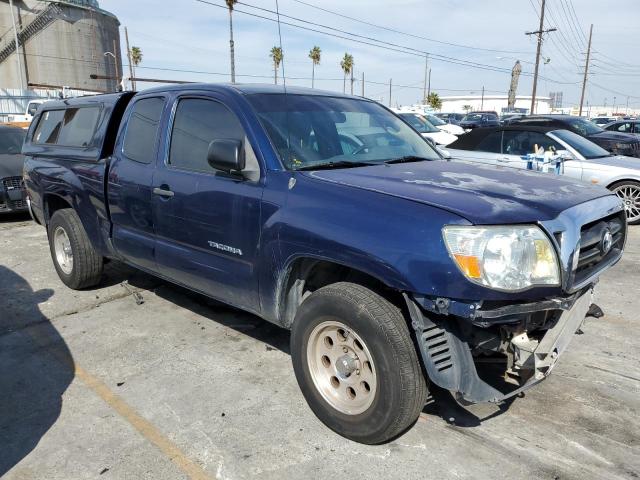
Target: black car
624, 126
614, 142
479, 119
12, 191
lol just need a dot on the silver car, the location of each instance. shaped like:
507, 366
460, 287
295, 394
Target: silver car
582, 159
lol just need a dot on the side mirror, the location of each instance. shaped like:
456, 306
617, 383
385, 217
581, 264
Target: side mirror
226, 155
565, 155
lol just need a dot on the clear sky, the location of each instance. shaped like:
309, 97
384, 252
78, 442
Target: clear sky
190, 35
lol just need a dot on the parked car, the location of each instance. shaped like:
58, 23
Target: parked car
424, 128
507, 118
602, 121
445, 127
375, 257
479, 120
453, 118
624, 126
582, 159
27, 117
615, 142
12, 191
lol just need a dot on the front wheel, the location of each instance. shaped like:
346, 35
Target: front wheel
76, 261
356, 364
629, 192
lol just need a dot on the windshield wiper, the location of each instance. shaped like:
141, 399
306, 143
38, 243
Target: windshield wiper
340, 164
407, 159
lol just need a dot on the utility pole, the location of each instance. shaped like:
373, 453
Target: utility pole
363, 84
390, 82
426, 73
352, 80
115, 61
131, 75
586, 70
429, 85
482, 99
541, 31
15, 39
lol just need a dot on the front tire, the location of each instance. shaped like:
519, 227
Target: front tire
76, 261
629, 192
356, 364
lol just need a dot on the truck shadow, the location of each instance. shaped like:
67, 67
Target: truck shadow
14, 217
36, 368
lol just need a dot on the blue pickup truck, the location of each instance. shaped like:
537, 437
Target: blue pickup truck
330, 216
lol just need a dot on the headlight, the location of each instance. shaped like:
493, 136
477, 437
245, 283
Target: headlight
622, 146
504, 258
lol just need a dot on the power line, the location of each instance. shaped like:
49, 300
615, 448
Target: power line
380, 44
407, 34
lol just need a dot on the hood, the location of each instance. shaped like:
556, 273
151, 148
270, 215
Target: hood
611, 137
481, 194
11, 165
441, 137
619, 161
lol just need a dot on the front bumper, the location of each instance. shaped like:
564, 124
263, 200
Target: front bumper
449, 363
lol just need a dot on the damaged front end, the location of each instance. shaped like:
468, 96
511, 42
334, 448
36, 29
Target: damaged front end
525, 340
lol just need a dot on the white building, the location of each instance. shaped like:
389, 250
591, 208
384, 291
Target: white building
498, 103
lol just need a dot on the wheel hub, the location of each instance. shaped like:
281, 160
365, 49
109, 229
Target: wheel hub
63, 251
341, 367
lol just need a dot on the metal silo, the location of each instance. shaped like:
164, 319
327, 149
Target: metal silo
61, 44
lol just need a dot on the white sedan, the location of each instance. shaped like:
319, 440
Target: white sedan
427, 130
444, 126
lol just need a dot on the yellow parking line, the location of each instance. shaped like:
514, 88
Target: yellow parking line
144, 427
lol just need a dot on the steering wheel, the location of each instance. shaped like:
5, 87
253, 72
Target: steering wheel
360, 149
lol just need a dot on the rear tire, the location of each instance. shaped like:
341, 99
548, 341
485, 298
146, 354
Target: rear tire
74, 258
629, 193
371, 402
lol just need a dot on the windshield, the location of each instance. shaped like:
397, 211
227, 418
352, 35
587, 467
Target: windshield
435, 120
11, 141
314, 130
418, 122
583, 127
472, 117
584, 147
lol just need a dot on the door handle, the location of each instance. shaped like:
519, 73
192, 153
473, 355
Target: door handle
163, 193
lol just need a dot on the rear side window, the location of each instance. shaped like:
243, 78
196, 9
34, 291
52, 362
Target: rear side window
523, 143
142, 130
73, 127
197, 123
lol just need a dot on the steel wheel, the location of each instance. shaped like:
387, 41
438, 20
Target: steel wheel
630, 195
341, 367
62, 248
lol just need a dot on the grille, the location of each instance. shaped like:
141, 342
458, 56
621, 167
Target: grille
11, 183
592, 254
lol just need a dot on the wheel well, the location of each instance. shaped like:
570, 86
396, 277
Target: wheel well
53, 203
307, 275
618, 182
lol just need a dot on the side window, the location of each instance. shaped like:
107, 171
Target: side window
523, 143
490, 143
73, 127
197, 123
79, 126
636, 127
49, 127
623, 127
142, 130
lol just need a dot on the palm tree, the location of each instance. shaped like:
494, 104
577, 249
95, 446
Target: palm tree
347, 67
136, 59
433, 100
277, 56
230, 4
314, 55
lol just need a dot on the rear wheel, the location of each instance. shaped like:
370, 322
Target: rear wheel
629, 192
76, 261
356, 364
